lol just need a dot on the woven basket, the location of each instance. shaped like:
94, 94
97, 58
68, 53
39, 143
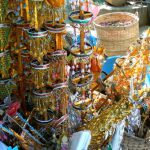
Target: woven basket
116, 2
117, 39
142, 142
134, 143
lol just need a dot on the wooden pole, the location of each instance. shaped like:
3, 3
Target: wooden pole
35, 17
27, 10
21, 9
82, 34
21, 80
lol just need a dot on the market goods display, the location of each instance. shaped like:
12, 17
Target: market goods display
58, 98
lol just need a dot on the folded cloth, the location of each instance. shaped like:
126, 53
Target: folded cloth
3, 146
147, 80
80, 140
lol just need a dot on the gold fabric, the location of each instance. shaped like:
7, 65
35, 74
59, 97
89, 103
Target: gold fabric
56, 3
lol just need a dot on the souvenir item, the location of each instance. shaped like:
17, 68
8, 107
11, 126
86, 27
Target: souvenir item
3, 10
4, 36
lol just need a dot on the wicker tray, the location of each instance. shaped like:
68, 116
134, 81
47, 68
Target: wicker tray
116, 2
134, 143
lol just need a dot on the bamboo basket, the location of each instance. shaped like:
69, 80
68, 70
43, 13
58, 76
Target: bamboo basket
116, 2
142, 142
134, 143
117, 39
